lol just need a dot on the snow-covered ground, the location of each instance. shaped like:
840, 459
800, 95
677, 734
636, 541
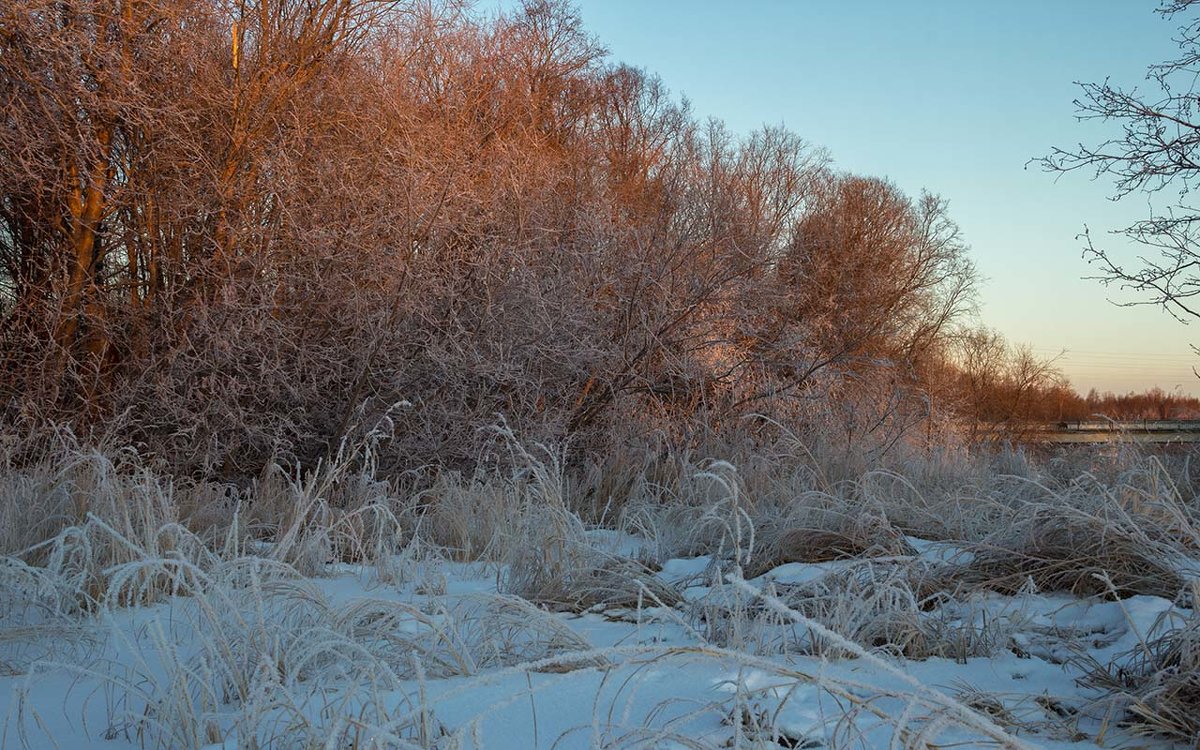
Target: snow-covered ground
430, 653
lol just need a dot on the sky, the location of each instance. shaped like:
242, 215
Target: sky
953, 97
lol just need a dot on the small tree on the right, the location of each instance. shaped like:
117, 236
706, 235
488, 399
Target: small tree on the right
1158, 150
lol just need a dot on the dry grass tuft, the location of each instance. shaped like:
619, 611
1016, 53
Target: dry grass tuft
896, 606
1157, 684
1067, 549
615, 583
868, 536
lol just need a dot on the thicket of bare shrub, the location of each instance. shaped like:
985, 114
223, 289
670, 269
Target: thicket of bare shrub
232, 233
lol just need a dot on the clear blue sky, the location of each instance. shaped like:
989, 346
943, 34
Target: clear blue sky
953, 96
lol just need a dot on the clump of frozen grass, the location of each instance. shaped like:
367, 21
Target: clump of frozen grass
940, 497
492, 515
464, 516
1156, 685
1140, 530
708, 511
461, 636
935, 699
39, 618
601, 487
895, 607
573, 575
97, 512
891, 608
338, 512
549, 558
751, 710
79, 496
1065, 548
257, 653
726, 617
76, 569
841, 536
40, 497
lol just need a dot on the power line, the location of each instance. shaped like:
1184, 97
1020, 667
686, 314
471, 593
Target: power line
1115, 355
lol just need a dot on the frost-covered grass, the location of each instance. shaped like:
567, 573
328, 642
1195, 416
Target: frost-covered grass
753, 601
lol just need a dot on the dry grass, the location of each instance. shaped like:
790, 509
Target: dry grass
1062, 549
1155, 688
897, 607
863, 537
90, 532
1136, 534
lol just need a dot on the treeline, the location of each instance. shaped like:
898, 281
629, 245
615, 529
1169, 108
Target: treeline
237, 232
1006, 389
1154, 403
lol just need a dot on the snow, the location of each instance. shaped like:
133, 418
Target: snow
646, 678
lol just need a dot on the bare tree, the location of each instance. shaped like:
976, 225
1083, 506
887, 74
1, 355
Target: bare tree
867, 278
1005, 387
1156, 152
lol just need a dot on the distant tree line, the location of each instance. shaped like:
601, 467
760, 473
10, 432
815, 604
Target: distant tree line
1006, 389
1154, 403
